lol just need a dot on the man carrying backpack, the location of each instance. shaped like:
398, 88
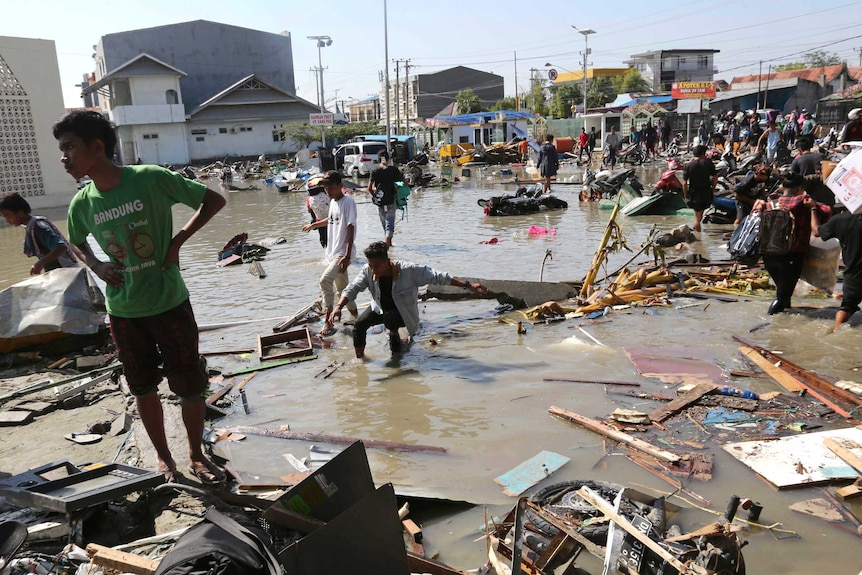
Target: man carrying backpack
848, 230
698, 184
381, 184
785, 230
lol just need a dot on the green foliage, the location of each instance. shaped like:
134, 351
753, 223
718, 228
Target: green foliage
468, 102
302, 134
565, 96
507, 103
536, 100
344, 132
812, 59
600, 92
790, 66
632, 81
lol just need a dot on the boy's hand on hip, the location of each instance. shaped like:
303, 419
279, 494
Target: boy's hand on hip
108, 273
172, 257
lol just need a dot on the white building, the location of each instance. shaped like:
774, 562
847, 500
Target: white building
660, 68
245, 119
31, 100
143, 98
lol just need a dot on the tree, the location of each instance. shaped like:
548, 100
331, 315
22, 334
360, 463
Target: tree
634, 82
507, 103
600, 92
468, 102
565, 96
812, 59
536, 98
302, 134
342, 133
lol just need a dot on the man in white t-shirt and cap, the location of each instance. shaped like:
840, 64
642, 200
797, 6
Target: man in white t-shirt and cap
340, 248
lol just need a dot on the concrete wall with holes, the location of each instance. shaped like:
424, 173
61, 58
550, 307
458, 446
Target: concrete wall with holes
31, 100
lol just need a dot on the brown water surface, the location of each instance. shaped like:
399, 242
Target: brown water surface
479, 393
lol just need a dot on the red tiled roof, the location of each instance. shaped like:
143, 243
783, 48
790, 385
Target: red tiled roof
810, 74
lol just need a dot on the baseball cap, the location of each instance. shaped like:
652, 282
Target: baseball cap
854, 113
331, 177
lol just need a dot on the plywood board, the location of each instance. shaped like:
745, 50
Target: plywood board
796, 461
530, 472
676, 364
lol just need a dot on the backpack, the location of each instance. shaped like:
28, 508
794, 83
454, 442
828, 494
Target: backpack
777, 227
402, 192
743, 243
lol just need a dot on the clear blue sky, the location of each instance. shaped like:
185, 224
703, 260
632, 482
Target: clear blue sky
484, 35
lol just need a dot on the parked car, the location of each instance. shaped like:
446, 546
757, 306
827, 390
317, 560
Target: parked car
358, 158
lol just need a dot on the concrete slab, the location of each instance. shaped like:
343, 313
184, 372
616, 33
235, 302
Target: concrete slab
12, 417
520, 294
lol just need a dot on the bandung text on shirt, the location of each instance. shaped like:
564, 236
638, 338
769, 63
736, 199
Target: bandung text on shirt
122, 210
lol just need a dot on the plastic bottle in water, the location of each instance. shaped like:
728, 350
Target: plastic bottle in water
736, 392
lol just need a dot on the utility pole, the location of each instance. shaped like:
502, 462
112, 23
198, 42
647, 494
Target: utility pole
398, 96
386, 61
759, 78
517, 97
533, 88
316, 83
407, 101
859, 51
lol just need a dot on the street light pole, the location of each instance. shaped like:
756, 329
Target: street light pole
586, 32
322, 41
386, 78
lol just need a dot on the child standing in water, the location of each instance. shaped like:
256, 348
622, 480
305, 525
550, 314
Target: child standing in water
42, 239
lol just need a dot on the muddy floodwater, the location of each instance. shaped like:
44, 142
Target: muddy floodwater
479, 392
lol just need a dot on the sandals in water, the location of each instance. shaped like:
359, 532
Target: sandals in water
327, 332
207, 474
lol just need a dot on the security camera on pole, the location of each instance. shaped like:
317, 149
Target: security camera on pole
322, 42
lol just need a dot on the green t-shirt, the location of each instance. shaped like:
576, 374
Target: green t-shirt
134, 226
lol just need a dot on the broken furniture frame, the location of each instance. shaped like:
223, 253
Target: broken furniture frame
273, 346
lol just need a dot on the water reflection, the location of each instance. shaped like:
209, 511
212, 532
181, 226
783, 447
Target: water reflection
479, 391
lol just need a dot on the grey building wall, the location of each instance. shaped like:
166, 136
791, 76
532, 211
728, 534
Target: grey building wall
436, 91
213, 55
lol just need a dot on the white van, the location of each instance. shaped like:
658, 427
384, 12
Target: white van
360, 158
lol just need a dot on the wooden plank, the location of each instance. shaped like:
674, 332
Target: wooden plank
849, 451
600, 382
530, 472
850, 491
413, 530
680, 403
599, 503
591, 547
800, 460
805, 376
269, 365
80, 388
424, 565
597, 427
336, 439
790, 383
121, 561
783, 379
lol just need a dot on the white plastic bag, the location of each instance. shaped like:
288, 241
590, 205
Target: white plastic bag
820, 267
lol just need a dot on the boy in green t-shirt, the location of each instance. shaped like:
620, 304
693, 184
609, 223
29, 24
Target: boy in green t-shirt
127, 210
